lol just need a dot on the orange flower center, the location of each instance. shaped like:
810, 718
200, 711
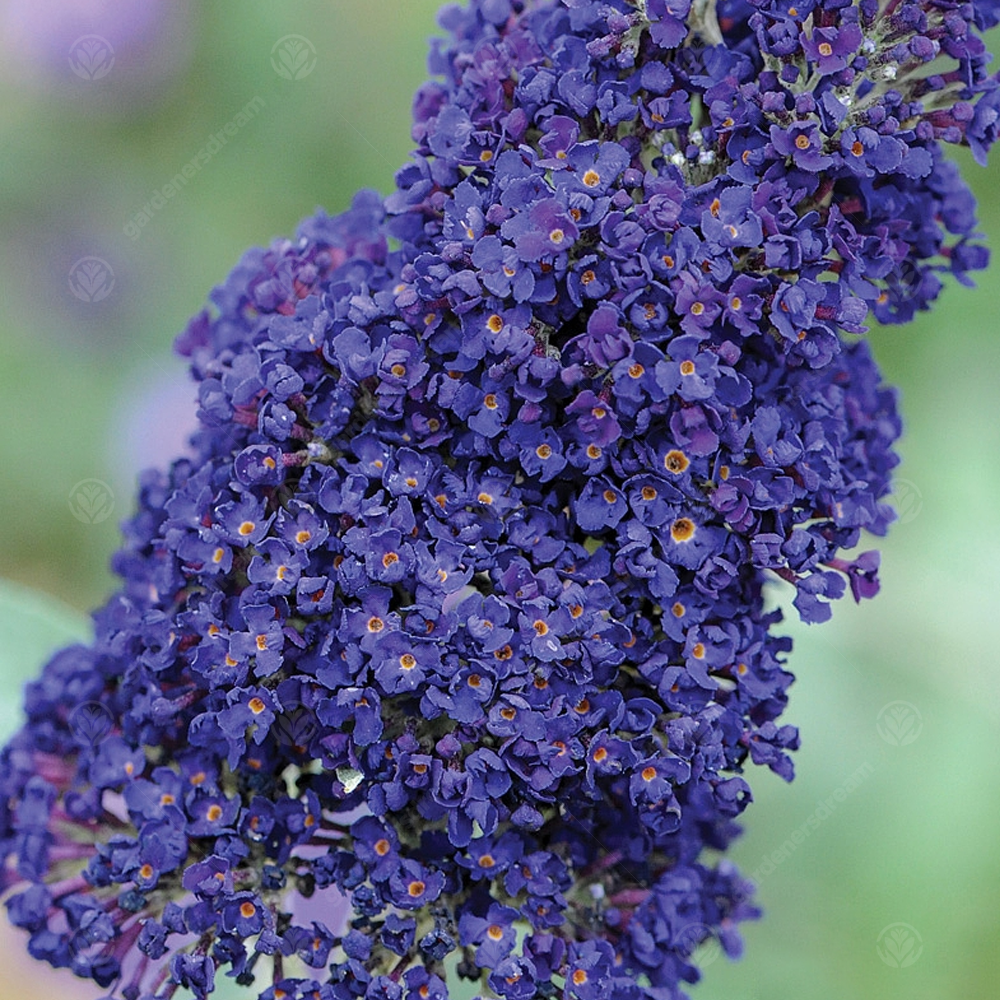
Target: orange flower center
682, 529
675, 461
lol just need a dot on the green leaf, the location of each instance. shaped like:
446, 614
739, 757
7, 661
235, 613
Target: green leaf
33, 626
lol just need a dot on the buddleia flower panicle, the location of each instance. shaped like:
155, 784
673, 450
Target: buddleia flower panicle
445, 654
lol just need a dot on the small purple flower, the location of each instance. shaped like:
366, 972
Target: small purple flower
411, 886
606, 340
542, 230
243, 915
803, 142
591, 168
831, 49
209, 878
513, 978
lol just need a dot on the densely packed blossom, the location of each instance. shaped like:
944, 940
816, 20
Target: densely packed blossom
444, 656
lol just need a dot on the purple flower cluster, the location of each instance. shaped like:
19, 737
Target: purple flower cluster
457, 621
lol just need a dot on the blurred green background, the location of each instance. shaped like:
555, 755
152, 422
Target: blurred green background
902, 692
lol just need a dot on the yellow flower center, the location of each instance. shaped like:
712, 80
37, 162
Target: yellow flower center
682, 529
675, 461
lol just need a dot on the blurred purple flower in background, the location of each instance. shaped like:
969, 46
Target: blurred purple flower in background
134, 46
